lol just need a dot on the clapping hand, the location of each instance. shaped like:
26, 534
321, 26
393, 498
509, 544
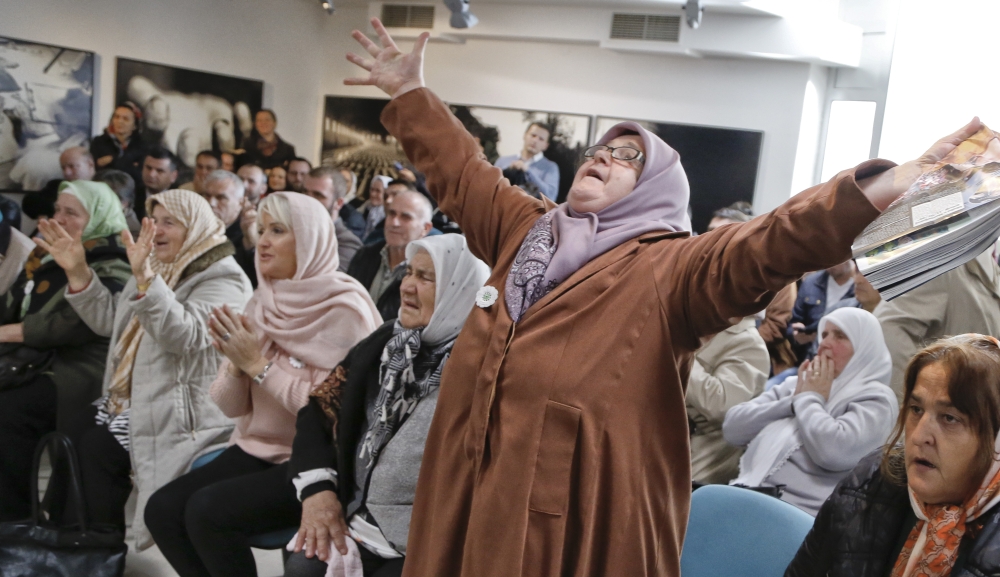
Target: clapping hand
233, 336
67, 251
816, 376
138, 251
389, 69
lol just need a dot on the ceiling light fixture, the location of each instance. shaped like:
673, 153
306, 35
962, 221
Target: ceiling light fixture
460, 15
692, 13
328, 6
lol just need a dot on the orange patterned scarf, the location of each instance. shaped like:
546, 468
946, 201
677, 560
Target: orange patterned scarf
940, 528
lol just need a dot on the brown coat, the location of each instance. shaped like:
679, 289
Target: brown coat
560, 445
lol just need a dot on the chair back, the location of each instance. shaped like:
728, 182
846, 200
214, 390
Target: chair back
741, 533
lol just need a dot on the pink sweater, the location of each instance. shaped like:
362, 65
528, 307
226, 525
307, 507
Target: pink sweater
265, 414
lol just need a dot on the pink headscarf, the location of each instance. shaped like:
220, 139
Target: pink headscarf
319, 314
659, 201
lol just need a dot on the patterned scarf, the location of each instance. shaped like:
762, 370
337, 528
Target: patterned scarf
526, 283
406, 377
204, 232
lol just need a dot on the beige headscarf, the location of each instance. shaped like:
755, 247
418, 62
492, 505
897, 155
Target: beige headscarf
204, 232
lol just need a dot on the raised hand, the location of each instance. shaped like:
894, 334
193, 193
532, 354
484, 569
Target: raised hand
248, 224
67, 251
138, 251
389, 69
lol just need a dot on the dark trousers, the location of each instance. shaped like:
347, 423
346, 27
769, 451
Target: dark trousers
26, 415
202, 521
298, 565
104, 472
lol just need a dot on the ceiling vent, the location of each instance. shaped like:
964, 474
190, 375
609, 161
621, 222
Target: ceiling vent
408, 16
646, 27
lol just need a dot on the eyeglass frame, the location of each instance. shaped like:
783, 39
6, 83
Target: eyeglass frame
640, 157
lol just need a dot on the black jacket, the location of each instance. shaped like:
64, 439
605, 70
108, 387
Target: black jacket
353, 220
244, 257
281, 156
861, 529
364, 267
313, 447
128, 159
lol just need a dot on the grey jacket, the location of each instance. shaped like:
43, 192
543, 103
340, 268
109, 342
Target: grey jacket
173, 418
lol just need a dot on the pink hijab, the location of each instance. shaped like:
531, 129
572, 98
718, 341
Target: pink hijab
659, 201
319, 314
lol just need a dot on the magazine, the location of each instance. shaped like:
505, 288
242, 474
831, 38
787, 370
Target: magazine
946, 218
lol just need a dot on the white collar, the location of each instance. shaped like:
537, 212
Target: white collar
535, 158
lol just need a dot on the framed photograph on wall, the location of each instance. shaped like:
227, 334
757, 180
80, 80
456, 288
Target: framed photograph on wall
353, 137
501, 132
46, 105
721, 163
187, 111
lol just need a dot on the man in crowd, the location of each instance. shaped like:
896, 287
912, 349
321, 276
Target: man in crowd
224, 193
204, 164
123, 185
382, 266
227, 161
820, 293
254, 182
159, 171
541, 175
296, 173
77, 164
326, 185
963, 300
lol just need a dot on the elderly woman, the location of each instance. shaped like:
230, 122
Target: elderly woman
162, 362
301, 322
39, 328
341, 434
373, 209
559, 445
927, 504
807, 433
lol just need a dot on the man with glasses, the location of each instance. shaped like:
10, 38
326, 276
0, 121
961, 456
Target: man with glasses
541, 175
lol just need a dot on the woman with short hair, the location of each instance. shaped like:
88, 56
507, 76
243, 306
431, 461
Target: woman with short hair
807, 433
162, 361
38, 326
302, 320
927, 504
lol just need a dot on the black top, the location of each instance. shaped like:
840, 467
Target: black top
127, 159
364, 267
281, 156
244, 257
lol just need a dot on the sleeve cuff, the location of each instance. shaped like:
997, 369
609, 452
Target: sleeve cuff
89, 291
158, 289
801, 400
308, 483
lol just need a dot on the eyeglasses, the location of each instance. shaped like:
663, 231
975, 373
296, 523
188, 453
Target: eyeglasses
617, 152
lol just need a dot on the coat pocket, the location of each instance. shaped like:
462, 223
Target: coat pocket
186, 409
550, 486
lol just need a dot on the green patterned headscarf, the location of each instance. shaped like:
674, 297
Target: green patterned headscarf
102, 204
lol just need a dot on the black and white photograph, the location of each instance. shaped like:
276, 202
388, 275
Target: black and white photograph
46, 105
188, 111
501, 133
721, 163
353, 137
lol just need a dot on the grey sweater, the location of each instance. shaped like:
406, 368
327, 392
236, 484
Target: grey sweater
832, 444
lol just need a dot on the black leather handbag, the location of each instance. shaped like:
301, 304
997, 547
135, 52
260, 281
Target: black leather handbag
20, 365
38, 548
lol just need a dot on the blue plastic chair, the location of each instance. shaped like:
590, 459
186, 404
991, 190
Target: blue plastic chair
740, 533
273, 540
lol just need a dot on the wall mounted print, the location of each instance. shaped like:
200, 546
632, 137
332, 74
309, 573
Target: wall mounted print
353, 137
721, 163
187, 111
46, 103
500, 132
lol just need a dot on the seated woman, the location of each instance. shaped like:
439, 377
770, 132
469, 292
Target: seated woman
302, 320
162, 362
807, 433
359, 441
927, 504
39, 327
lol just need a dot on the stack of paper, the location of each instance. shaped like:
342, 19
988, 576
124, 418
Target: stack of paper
947, 218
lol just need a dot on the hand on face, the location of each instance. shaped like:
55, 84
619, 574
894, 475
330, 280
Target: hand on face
389, 69
603, 180
322, 523
234, 337
816, 376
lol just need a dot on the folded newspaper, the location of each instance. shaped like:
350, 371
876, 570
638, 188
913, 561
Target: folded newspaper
947, 218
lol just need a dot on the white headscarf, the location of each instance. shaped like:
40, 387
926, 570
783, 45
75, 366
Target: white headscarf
459, 275
870, 366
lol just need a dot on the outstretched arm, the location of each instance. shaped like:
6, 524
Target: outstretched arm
466, 186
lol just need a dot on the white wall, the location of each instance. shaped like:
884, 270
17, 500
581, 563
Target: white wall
298, 51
